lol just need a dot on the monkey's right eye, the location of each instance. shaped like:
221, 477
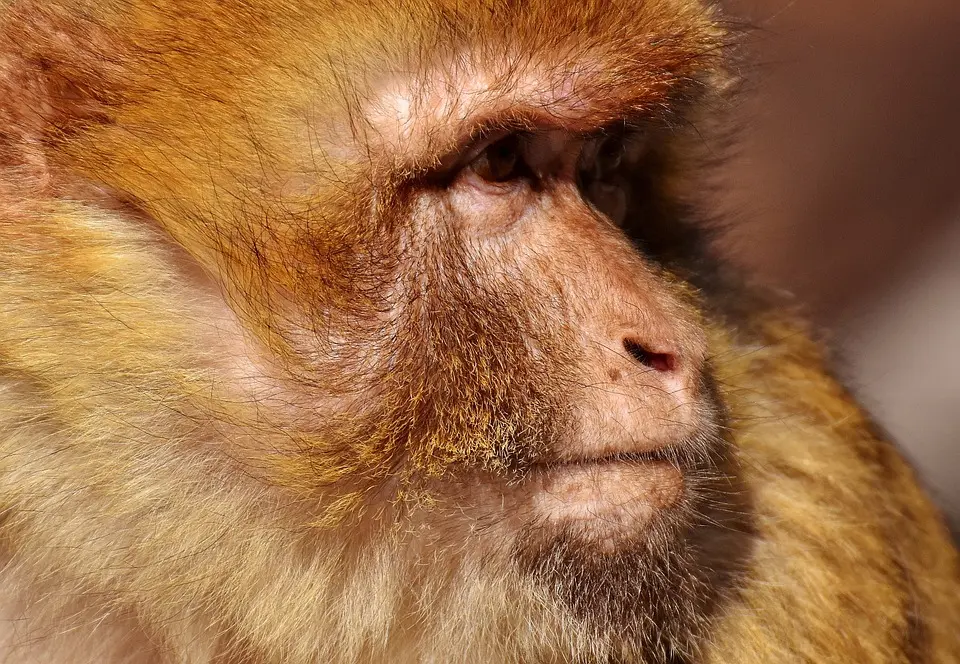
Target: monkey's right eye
501, 161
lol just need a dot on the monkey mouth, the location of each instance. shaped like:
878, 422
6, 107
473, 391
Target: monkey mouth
667, 453
615, 491
678, 452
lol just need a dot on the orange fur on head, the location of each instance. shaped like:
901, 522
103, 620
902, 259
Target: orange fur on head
386, 332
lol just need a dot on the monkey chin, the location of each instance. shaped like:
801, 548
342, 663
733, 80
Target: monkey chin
627, 549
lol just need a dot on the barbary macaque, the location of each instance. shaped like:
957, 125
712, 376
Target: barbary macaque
356, 332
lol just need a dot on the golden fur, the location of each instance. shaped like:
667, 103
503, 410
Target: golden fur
178, 479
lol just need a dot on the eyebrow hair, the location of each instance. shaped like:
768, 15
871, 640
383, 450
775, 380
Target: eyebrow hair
524, 118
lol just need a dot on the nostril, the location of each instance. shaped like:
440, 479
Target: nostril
648, 358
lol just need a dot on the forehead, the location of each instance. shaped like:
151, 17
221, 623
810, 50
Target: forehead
450, 68
544, 50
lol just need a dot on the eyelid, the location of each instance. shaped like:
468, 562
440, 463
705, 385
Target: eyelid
482, 142
527, 128
465, 152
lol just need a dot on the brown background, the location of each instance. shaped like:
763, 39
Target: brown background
846, 191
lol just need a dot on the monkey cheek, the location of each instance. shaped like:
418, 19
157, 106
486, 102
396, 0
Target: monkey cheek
608, 499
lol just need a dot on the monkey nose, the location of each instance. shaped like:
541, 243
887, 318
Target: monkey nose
651, 359
651, 369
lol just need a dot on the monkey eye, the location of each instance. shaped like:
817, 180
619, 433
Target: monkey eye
603, 172
500, 161
610, 154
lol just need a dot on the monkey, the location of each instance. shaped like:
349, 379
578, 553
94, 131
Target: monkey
356, 332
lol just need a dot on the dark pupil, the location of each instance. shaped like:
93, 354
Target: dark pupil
499, 162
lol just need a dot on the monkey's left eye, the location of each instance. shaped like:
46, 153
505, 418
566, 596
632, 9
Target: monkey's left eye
603, 170
501, 161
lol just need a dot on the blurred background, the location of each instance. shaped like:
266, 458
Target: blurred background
846, 192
